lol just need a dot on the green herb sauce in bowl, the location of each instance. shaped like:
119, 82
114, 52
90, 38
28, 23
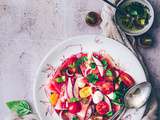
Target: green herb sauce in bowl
135, 17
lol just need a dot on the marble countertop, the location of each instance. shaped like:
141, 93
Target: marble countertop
30, 28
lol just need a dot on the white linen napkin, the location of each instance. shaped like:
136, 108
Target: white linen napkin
110, 30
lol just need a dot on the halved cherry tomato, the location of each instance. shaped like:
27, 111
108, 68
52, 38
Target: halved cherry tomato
107, 87
115, 107
74, 107
116, 86
102, 108
127, 79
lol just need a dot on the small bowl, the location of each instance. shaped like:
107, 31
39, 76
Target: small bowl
143, 30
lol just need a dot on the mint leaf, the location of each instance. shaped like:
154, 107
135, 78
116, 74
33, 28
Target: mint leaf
21, 107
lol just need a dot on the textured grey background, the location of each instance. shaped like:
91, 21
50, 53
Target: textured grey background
30, 28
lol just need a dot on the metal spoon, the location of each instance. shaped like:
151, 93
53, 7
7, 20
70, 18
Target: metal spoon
135, 97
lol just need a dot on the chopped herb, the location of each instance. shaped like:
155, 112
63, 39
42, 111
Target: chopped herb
72, 65
108, 114
74, 99
60, 79
92, 78
112, 96
93, 65
80, 61
105, 67
109, 73
104, 62
117, 102
75, 118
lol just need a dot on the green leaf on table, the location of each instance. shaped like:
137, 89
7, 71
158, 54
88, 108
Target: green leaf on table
21, 107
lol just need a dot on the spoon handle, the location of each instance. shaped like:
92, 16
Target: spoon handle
120, 113
107, 1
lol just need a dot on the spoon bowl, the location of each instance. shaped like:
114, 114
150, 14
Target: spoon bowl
138, 95
135, 97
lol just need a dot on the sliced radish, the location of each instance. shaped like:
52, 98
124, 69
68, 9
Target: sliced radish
76, 90
99, 65
89, 112
106, 99
83, 112
69, 88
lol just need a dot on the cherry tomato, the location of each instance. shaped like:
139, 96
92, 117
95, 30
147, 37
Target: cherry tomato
102, 108
74, 107
107, 88
116, 86
115, 107
127, 79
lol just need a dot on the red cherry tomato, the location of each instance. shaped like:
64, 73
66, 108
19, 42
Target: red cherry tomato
116, 86
127, 79
107, 87
74, 107
115, 107
102, 108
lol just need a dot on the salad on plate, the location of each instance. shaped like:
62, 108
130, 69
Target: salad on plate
88, 86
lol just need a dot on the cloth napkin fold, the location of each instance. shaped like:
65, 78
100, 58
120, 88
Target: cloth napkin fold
109, 29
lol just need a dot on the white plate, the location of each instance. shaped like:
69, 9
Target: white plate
87, 43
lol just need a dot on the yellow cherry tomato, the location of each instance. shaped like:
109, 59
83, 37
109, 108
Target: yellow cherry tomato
54, 98
85, 92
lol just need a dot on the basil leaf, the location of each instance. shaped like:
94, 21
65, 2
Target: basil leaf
117, 102
75, 118
60, 79
109, 114
80, 61
21, 107
92, 78
93, 65
12, 105
109, 73
74, 99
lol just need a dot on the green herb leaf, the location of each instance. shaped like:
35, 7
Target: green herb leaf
92, 78
80, 61
117, 102
109, 114
109, 73
74, 99
104, 62
93, 65
75, 118
60, 79
72, 65
21, 107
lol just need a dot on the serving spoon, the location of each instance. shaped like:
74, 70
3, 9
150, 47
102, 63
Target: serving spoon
135, 97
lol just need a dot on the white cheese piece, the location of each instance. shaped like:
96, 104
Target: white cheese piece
80, 82
97, 97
